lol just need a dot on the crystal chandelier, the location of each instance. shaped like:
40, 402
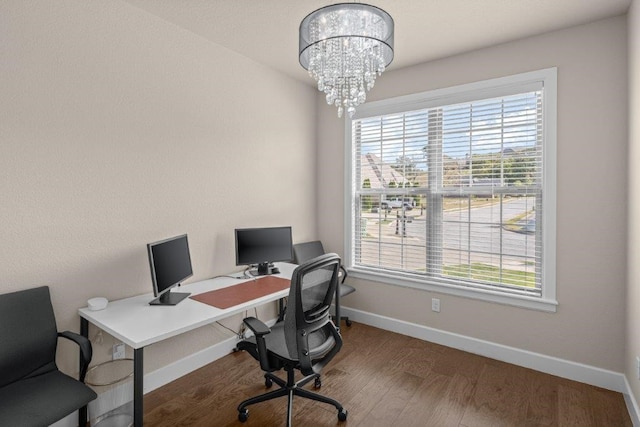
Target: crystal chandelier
344, 47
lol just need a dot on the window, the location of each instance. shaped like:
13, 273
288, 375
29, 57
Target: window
454, 190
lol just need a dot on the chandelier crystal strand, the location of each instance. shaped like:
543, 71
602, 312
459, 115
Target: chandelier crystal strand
345, 47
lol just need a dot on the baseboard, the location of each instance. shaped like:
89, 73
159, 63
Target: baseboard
592, 375
123, 393
551, 365
179, 368
632, 405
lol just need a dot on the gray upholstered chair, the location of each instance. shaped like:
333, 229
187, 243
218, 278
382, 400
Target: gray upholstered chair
306, 340
305, 251
33, 392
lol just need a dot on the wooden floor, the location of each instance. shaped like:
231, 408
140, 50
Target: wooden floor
387, 379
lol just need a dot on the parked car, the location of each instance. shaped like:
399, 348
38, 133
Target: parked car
397, 204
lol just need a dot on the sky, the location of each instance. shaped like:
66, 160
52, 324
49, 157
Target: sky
479, 127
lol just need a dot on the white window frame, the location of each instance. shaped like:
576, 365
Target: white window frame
465, 93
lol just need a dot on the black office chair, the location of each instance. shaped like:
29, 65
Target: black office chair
306, 340
33, 392
303, 252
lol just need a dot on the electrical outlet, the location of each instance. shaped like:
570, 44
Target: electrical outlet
118, 351
435, 305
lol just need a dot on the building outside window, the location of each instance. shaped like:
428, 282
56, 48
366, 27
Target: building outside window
454, 190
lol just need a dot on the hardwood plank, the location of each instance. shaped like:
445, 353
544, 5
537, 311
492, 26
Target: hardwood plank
450, 362
608, 409
500, 397
421, 406
543, 400
383, 403
573, 406
385, 379
418, 360
451, 408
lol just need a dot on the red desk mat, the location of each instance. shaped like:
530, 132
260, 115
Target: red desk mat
243, 292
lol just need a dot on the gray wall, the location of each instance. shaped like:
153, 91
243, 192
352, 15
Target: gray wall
633, 283
118, 129
591, 197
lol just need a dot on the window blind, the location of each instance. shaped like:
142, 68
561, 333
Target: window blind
452, 193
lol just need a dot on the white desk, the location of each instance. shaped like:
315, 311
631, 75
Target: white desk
138, 324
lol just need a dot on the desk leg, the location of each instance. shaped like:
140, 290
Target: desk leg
337, 302
138, 386
82, 412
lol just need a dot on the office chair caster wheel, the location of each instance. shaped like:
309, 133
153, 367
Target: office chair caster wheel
348, 322
268, 382
244, 414
317, 383
342, 414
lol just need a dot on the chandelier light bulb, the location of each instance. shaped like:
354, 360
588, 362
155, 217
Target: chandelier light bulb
344, 47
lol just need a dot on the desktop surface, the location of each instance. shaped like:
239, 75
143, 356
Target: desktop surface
138, 324
242, 292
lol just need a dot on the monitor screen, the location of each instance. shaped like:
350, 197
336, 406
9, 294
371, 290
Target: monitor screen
170, 264
263, 246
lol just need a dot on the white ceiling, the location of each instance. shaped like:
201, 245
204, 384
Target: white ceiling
267, 30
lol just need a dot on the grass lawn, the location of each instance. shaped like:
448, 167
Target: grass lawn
490, 273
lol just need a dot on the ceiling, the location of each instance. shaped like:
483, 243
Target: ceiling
267, 30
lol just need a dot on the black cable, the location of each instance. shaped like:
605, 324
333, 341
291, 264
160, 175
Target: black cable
227, 328
225, 275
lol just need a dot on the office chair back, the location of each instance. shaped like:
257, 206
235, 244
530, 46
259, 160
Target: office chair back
303, 252
306, 340
310, 335
33, 392
29, 335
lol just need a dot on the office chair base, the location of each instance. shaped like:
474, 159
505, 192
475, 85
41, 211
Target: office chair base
244, 415
289, 389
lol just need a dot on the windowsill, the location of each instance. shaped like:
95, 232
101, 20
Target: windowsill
533, 303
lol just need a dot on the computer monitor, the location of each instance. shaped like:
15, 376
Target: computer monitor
262, 246
170, 264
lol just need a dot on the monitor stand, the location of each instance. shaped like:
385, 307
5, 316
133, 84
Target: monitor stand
263, 269
169, 298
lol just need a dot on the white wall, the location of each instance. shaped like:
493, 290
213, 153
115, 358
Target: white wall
633, 282
118, 129
588, 327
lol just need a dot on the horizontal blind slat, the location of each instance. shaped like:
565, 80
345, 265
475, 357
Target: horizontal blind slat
483, 149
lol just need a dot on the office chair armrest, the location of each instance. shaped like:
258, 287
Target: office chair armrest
344, 274
260, 330
256, 326
86, 350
